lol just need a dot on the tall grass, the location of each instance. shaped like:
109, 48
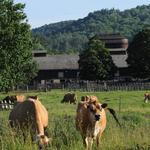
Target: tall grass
133, 114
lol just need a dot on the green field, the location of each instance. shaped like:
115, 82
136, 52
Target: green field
133, 114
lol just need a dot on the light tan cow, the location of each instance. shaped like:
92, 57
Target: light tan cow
91, 120
31, 115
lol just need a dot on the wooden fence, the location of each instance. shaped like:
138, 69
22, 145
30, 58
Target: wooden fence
110, 86
91, 86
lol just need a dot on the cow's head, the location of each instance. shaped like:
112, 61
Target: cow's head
85, 98
91, 98
42, 141
95, 110
20, 98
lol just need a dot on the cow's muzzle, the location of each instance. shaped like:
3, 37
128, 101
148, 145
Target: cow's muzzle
97, 117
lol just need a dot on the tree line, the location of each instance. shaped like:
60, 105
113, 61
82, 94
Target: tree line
72, 36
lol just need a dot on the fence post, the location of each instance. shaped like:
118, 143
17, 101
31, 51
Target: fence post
27, 88
119, 104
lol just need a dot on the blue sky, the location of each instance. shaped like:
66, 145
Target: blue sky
41, 12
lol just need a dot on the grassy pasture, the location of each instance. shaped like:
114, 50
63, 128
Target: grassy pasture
133, 114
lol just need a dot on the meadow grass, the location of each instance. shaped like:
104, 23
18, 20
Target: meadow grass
133, 114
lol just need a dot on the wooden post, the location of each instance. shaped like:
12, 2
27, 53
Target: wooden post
119, 104
27, 88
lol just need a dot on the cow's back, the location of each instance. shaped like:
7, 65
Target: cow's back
42, 113
23, 114
67, 97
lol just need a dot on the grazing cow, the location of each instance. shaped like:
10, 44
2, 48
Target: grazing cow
9, 101
91, 120
146, 97
31, 115
69, 98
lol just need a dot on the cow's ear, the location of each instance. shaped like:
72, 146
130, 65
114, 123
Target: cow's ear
36, 97
104, 105
83, 98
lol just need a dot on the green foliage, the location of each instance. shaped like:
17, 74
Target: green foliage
74, 35
16, 65
139, 54
37, 44
95, 63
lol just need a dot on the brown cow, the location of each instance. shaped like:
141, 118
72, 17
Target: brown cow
146, 97
91, 120
69, 98
31, 115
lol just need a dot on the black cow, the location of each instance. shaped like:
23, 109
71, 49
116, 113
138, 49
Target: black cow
69, 98
9, 101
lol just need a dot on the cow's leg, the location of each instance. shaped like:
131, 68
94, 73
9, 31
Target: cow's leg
33, 131
146, 100
98, 139
84, 140
89, 143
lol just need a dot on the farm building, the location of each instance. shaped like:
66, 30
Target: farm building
57, 67
64, 67
117, 45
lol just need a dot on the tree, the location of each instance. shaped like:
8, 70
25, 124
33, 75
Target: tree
139, 54
95, 63
16, 64
37, 44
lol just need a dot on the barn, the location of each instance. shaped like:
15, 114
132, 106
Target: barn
65, 67
54, 67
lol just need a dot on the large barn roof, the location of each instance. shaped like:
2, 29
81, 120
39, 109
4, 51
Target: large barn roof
56, 62
53, 62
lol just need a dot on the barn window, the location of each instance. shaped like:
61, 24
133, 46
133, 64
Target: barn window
60, 74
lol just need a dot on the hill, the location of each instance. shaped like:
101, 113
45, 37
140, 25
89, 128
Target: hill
72, 36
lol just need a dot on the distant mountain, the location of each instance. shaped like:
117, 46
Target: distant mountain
72, 36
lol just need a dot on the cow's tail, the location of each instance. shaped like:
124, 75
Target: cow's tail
114, 115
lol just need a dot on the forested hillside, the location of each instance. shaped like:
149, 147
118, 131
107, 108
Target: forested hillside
72, 36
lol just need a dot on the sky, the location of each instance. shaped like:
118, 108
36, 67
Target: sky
41, 12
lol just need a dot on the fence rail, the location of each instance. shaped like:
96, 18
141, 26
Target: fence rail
90, 86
